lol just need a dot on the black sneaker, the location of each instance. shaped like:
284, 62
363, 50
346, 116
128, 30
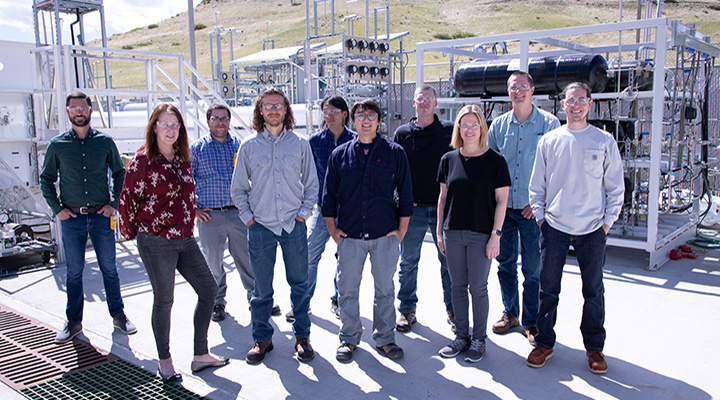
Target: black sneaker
456, 347
219, 313
275, 311
476, 351
124, 325
71, 330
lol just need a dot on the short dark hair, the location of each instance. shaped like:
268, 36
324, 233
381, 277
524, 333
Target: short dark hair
217, 106
78, 95
576, 85
367, 104
258, 121
337, 102
525, 74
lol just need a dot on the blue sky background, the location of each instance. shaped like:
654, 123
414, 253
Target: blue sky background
16, 17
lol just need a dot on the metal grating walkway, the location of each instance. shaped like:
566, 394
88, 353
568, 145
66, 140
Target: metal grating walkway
29, 355
115, 380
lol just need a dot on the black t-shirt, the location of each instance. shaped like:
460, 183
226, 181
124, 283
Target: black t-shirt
424, 148
470, 201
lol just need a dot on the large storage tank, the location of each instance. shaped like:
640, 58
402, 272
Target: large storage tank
551, 74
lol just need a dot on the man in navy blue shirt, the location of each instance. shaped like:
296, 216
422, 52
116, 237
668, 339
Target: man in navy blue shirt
362, 179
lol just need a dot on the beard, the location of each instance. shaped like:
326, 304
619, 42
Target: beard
80, 121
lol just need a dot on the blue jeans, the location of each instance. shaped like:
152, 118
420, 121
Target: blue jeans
529, 233
384, 252
318, 236
162, 257
262, 245
590, 253
75, 233
422, 219
469, 270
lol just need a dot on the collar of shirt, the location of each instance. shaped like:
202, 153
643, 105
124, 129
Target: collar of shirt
73, 135
265, 134
414, 127
534, 115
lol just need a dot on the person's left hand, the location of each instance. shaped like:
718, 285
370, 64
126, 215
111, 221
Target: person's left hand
397, 234
107, 211
527, 212
492, 249
299, 218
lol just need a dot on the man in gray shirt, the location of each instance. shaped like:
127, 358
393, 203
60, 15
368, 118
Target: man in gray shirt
275, 187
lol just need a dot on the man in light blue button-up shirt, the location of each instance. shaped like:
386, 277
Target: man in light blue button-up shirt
515, 135
275, 187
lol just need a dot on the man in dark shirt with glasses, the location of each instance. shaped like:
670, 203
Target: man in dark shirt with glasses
363, 176
81, 157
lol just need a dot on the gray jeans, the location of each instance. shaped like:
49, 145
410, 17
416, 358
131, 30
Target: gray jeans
384, 253
223, 227
161, 258
469, 267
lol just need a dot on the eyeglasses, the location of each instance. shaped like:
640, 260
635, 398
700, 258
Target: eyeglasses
368, 117
521, 88
78, 109
582, 101
424, 99
276, 106
465, 127
165, 125
330, 113
220, 119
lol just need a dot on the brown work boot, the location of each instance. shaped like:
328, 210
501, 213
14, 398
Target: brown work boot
596, 361
529, 332
344, 353
505, 323
538, 356
406, 321
305, 352
257, 353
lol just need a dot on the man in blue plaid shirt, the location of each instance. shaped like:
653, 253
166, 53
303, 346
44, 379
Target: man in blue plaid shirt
213, 162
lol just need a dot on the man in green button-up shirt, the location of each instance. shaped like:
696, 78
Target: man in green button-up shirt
81, 158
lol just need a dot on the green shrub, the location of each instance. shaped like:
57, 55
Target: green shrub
175, 44
200, 26
152, 26
141, 44
127, 47
442, 36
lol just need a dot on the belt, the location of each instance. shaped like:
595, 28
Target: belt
85, 210
224, 208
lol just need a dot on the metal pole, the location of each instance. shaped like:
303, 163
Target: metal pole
191, 35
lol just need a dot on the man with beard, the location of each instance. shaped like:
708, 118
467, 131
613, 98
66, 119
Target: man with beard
275, 188
213, 162
81, 157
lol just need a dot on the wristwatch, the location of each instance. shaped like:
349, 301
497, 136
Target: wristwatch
497, 232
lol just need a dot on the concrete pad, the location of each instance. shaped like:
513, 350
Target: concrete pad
660, 325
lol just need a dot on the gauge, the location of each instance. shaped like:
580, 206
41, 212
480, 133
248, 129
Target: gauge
4, 218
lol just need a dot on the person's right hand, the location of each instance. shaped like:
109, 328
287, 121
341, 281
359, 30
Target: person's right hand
337, 234
202, 214
252, 221
65, 213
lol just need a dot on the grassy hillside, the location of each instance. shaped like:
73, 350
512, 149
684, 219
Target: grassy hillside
425, 20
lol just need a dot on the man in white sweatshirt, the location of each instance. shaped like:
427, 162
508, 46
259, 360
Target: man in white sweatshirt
576, 193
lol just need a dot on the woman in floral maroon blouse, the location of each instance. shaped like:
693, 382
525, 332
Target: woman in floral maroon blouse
157, 205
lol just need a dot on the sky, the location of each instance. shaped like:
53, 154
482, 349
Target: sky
16, 17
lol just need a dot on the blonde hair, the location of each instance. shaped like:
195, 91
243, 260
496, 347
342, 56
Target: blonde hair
475, 110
